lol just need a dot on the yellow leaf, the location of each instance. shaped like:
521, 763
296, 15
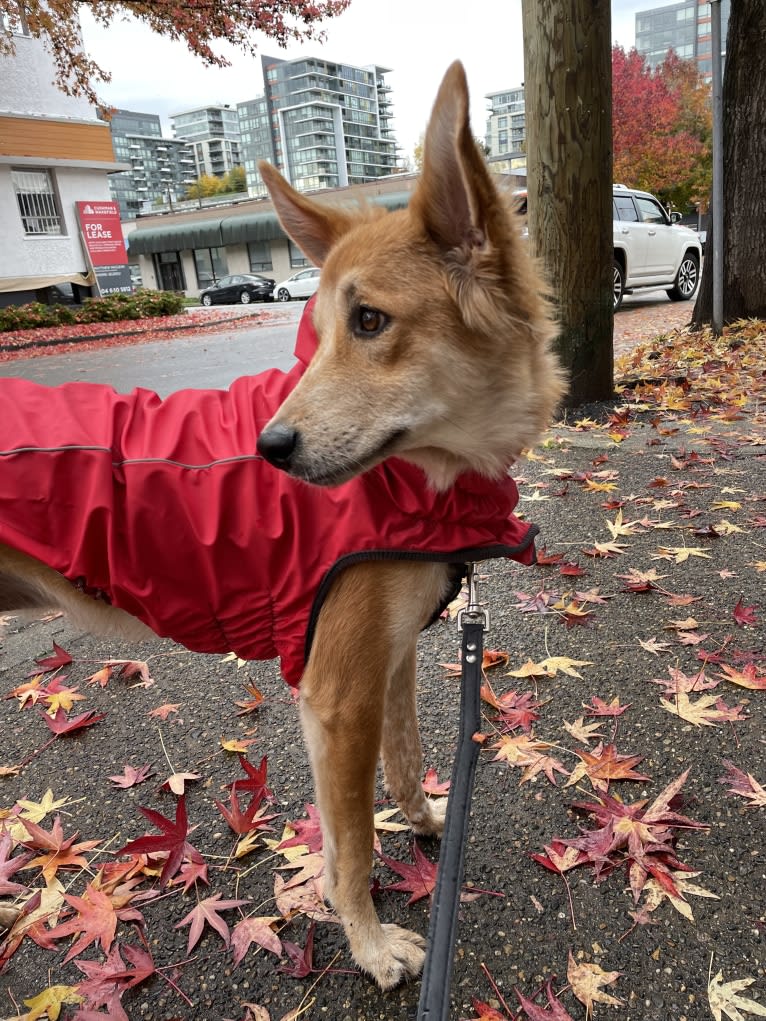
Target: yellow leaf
37, 811
382, 821
700, 713
725, 527
234, 744
731, 505
679, 554
587, 980
50, 1002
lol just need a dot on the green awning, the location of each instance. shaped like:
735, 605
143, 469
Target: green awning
231, 230
175, 237
238, 230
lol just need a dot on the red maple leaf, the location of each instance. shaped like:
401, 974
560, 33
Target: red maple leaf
61, 724
106, 981
172, 839
59, 658
59, 853
10, 865
514, 710
744, 615
418, 879
535, 1013
302, 958
207, 911
598, 707
131, 776
308, 832
95, 921
245, 822
640, 838
431, 784
255, 780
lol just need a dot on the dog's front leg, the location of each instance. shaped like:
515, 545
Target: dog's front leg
403, 753
356, 658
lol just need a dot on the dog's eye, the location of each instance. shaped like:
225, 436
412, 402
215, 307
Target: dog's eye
370, 321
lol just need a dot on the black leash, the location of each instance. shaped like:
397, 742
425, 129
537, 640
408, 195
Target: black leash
442, 930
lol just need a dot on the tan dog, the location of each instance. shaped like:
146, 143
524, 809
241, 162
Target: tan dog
434, 346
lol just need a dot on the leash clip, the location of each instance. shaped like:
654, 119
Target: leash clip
474, 612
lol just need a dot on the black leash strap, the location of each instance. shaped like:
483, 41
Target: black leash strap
442, 930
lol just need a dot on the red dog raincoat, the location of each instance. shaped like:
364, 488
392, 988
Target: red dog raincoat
164, 508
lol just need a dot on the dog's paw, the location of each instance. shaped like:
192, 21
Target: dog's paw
431, 823
400, 958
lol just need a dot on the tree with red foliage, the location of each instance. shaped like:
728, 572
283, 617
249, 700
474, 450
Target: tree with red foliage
200, 24
661, 127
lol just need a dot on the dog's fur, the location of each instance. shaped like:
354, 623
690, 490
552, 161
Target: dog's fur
434, 345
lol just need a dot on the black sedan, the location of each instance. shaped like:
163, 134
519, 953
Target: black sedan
242, 287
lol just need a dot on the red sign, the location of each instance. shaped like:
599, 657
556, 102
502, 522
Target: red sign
102, 230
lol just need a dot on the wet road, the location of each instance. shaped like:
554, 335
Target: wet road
210, 361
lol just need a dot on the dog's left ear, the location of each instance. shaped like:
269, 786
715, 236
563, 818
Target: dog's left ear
313, 227
455, 199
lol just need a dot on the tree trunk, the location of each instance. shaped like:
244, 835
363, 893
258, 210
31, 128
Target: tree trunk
744, 184
568, 92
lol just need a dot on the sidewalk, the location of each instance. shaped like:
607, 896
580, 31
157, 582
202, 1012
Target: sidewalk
629, 661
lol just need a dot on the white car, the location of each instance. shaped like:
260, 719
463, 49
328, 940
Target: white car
652, 249
299, 285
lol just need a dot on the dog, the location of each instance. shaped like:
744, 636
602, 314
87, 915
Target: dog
425, 369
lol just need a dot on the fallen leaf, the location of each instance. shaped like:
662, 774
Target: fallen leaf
207, 912
588, 980
724, 997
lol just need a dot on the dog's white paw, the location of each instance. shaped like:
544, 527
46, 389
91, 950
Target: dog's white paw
431, 824
400, 958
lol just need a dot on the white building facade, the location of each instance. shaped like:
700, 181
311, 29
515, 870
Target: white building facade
54, 152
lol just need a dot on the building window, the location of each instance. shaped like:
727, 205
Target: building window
36, 198
297, 258
259, 254
210, 264
14, 22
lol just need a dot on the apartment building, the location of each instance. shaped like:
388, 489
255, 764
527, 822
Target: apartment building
161, 168
324, 124
506, 121
54, 153
213, 133
683, 27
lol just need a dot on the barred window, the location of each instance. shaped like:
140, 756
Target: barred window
14, 22
36, 198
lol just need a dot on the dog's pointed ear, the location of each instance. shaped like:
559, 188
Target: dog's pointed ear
455, 198
313, 227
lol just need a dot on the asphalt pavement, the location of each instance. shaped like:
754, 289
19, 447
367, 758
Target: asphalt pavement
651, 513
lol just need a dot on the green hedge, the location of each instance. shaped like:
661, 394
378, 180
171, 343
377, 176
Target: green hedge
141, 305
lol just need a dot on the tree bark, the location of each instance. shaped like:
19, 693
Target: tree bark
568, 93
744, 184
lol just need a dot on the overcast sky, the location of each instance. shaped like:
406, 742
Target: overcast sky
416, 39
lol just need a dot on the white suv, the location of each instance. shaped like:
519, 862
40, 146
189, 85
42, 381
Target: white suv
651, 249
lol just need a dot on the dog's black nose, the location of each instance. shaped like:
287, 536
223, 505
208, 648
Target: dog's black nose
277, 444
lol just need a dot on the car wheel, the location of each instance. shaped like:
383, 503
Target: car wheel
206, 299
283, 294
619, 285
245, 297
687, 278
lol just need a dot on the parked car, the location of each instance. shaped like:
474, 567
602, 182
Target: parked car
652, 249
299, 285
242, 287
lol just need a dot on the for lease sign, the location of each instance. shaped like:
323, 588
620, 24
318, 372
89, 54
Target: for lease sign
102, 230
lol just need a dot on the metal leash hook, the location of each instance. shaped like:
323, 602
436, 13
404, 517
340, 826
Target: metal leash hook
442, 931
